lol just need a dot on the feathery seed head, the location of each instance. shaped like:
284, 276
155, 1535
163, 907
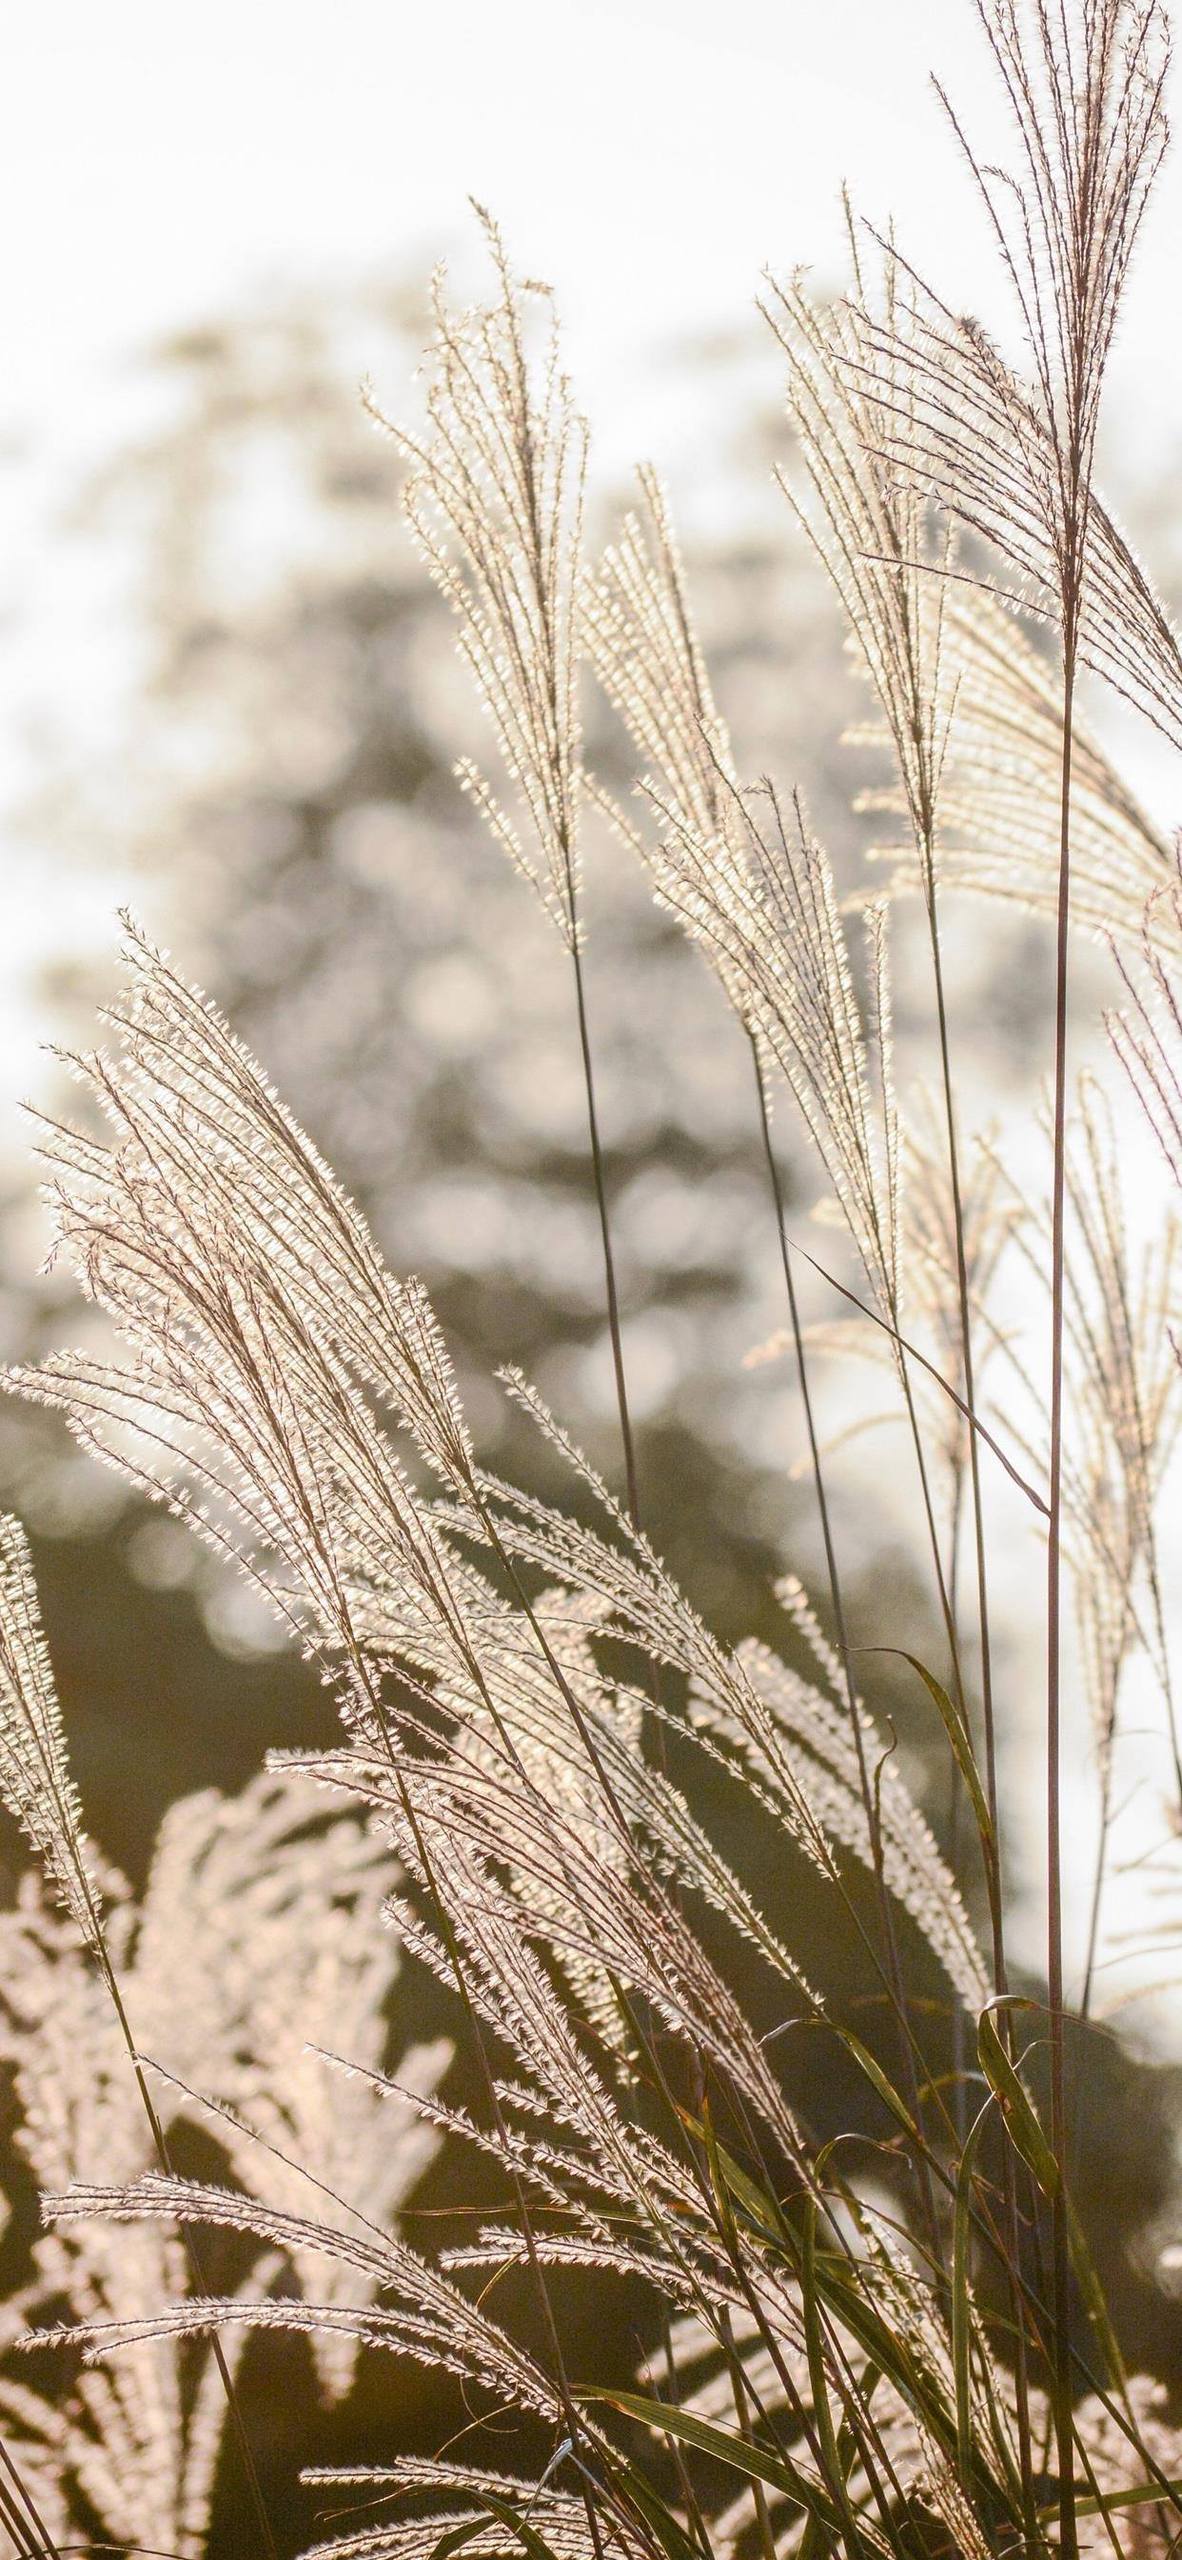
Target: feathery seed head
495, 501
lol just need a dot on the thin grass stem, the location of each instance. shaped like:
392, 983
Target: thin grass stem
601, 1201
1061, 2271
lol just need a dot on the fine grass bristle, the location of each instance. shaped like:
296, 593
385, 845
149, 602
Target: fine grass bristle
859, 2309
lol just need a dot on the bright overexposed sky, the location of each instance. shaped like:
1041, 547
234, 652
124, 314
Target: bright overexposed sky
647, 156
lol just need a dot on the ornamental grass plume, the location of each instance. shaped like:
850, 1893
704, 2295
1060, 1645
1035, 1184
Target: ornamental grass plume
857, 2308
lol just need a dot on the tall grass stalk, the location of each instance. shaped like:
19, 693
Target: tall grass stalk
885, 2336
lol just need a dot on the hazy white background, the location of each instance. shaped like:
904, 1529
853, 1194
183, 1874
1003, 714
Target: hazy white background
648, 158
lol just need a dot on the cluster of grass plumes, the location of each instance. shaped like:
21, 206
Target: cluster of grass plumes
888, 2339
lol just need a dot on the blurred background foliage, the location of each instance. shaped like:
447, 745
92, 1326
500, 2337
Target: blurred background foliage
281, 789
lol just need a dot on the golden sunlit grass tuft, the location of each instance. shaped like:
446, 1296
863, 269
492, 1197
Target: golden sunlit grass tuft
579, 1821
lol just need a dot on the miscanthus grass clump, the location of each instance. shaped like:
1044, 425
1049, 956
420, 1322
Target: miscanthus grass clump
888, 2341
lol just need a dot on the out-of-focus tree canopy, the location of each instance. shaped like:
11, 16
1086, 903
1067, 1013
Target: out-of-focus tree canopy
283, 777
